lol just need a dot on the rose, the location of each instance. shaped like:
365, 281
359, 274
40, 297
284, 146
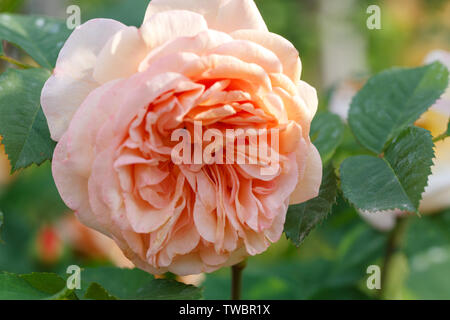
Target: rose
118, 93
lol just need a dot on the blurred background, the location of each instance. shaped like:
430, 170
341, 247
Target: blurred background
338, 53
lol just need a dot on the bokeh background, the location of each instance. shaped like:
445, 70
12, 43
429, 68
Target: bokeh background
338, 53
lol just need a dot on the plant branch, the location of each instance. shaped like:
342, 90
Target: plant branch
236, 279
441, 137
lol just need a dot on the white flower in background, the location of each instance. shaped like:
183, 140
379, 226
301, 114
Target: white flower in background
342, 97
443, 105
437, 194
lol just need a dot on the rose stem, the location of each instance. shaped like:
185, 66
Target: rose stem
394, 244
236, 279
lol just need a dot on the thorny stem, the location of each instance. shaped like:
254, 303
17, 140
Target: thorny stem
236, 279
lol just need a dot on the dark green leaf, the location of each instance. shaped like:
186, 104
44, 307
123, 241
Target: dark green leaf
327, 132
136, 284
45, 282
97, 292
396, 181
394, 100
127, 12
411, 157
33, 286
41, 37
22, 123
302, 218
12, 287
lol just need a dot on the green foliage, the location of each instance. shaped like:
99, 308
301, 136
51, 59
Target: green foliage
330, 264
427, 247
97, 292
22, 123
120, 284
395, 181
303, 217
392, 101
327, 131
45, 282
41, 37
127, 12
33, 286
134, 284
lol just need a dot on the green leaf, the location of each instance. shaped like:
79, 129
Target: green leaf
45, 282
327, 131
33, 286
135, 284
395, 181
394, 100
22, 123
97, 292
302, 218
41, 37
12, 287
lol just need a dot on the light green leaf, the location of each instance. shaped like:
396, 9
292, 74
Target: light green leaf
22, 123
135, 284
41, 37
97, 292
327, 131
395, 181
34, 286
302, 218
394, 100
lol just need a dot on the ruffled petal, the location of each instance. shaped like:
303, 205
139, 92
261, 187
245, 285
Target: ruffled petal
121, 56
285, 50
223, 15
72, 79
168, 25
309, 184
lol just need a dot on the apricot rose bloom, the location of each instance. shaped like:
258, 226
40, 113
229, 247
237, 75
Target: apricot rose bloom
116, 95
